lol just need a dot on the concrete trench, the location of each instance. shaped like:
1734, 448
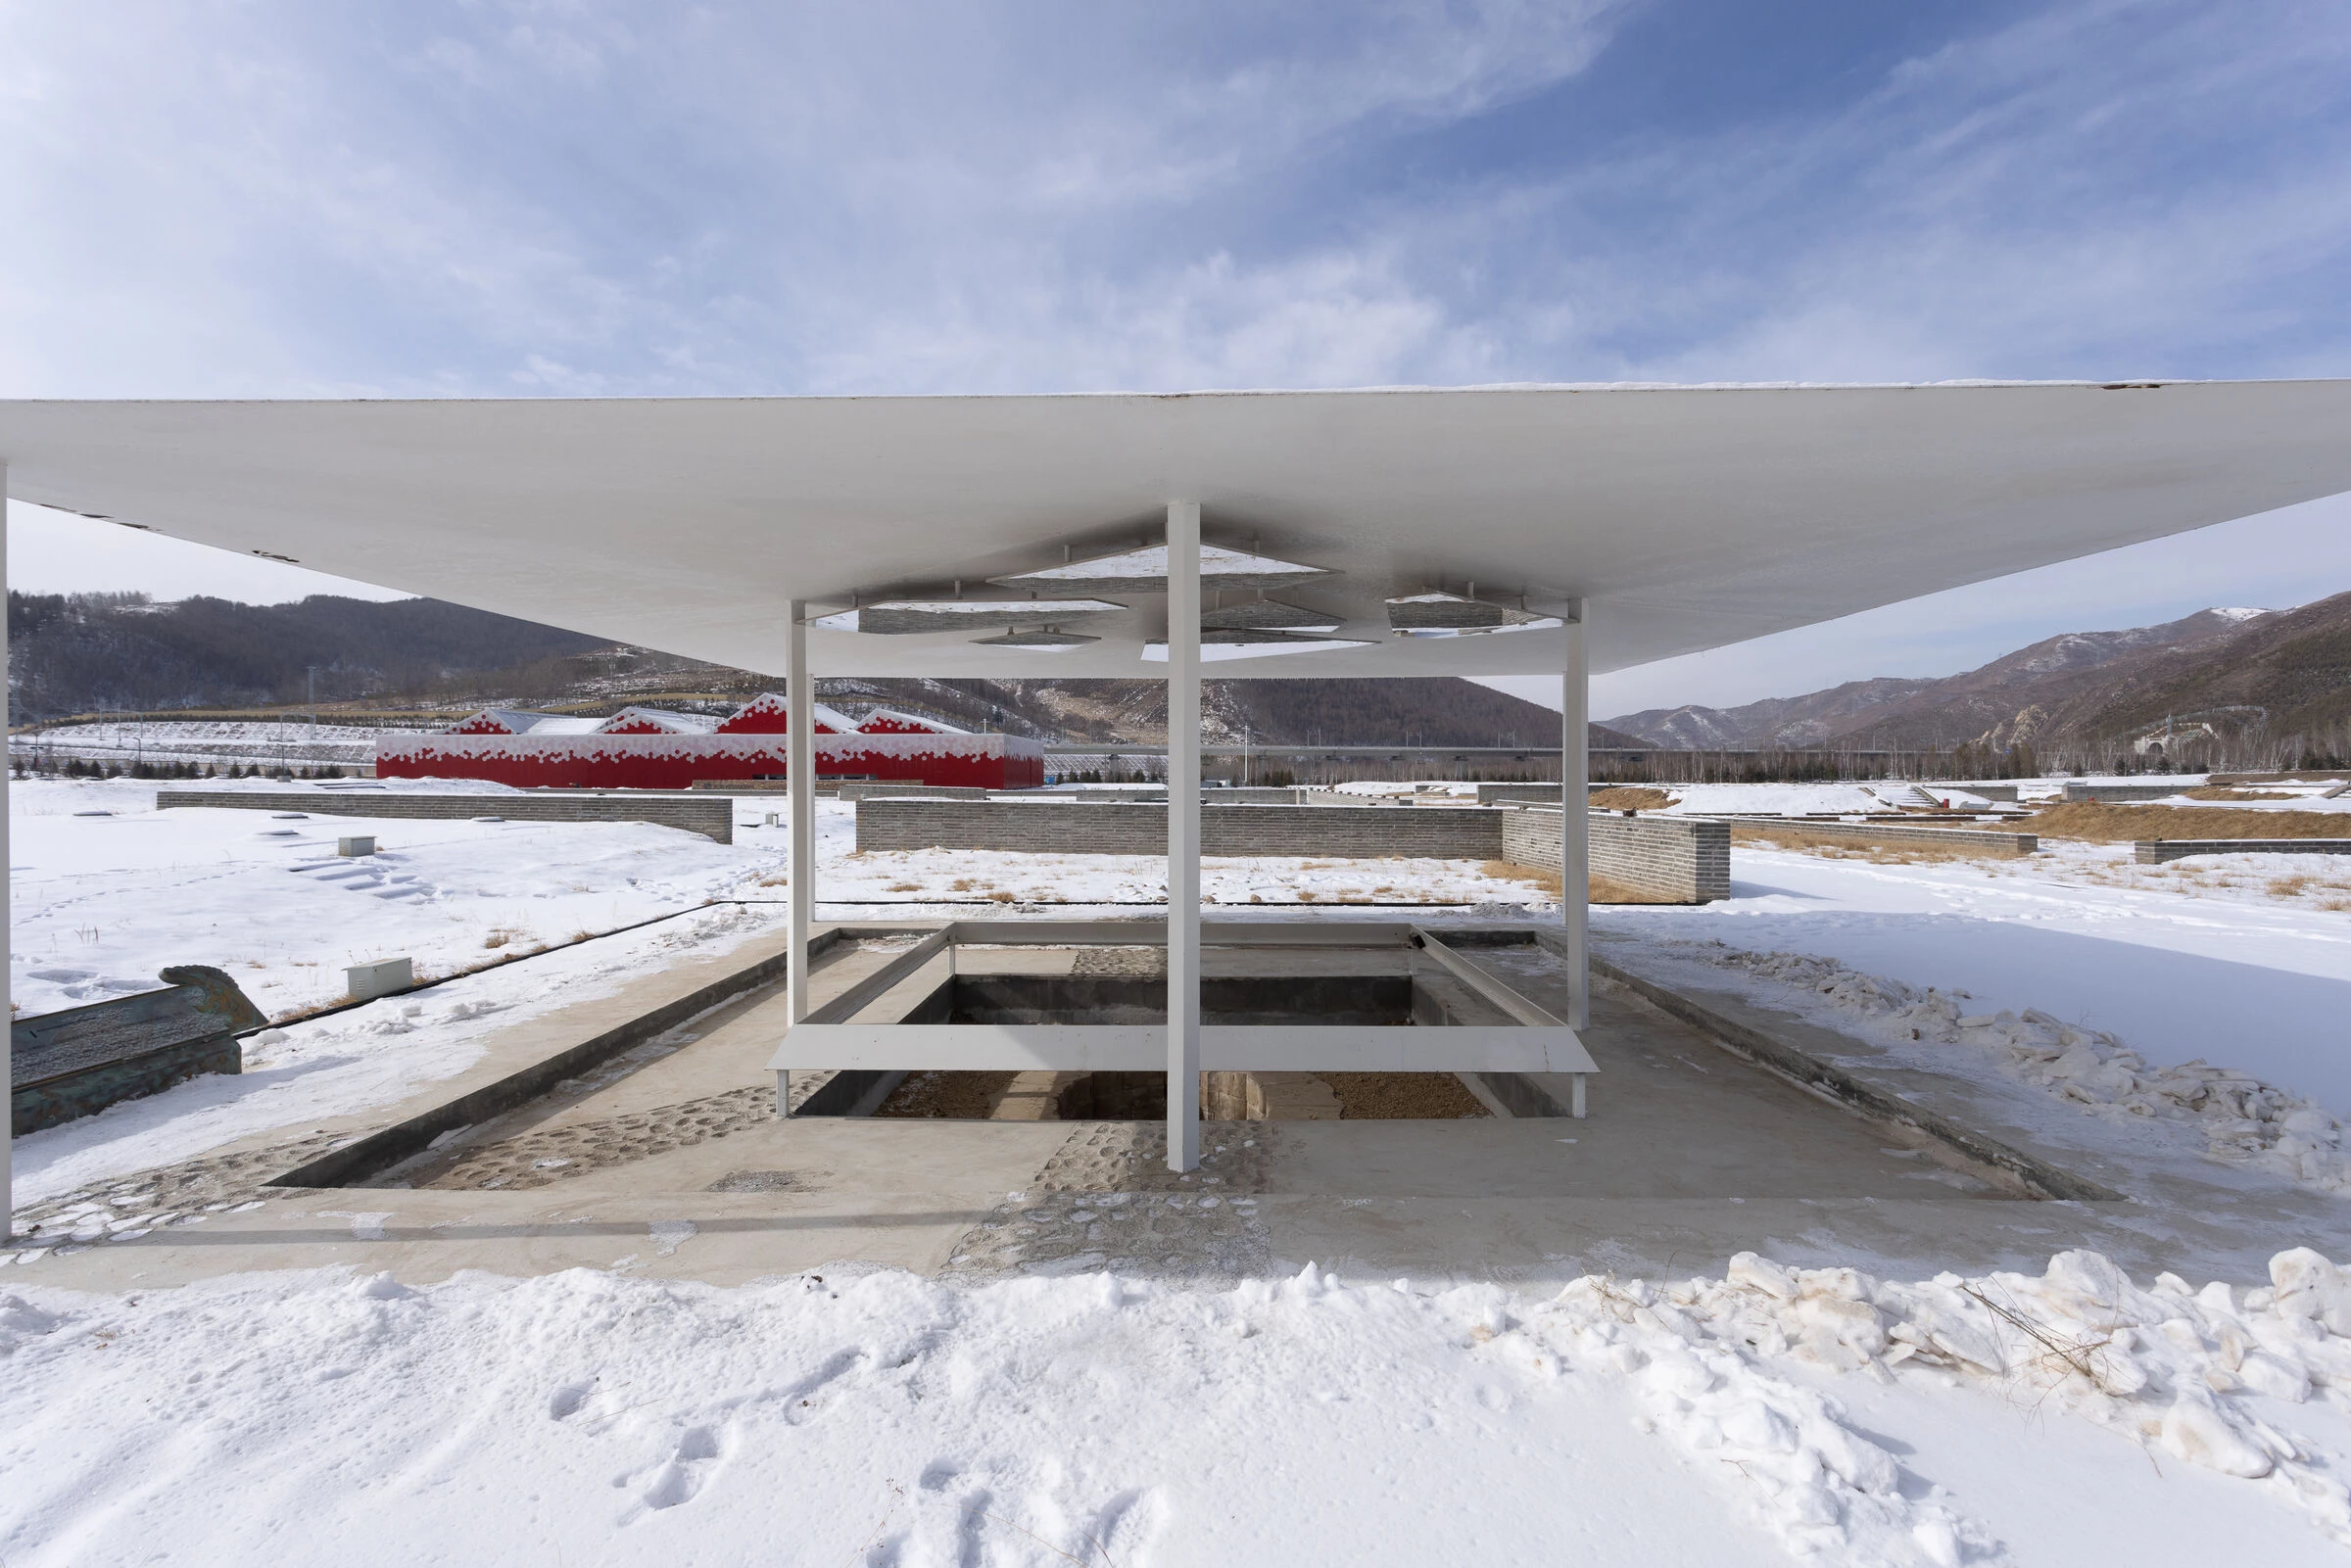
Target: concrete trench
633, 1113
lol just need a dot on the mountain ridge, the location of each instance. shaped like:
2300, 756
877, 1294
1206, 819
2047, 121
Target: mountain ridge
2217, 682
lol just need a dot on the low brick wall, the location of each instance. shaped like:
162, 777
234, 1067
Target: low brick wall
1684, 860
2076, 789
1540, 795
712, 816
1062, 827
884, 789
2154, 852
1888, 832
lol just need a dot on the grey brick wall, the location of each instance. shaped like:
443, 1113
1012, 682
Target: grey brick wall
1888, 832
2076, 789
854, 790
1052, 827
712, 816
1686, 860
1493, 795
2154, 852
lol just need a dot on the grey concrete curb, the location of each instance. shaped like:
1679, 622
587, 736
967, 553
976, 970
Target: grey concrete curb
1807, 1072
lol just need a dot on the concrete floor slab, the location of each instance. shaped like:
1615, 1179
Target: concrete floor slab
1689, 1155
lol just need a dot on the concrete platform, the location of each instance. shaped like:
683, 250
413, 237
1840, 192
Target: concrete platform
1689, 1155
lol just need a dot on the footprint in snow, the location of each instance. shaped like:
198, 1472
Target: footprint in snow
675, 1480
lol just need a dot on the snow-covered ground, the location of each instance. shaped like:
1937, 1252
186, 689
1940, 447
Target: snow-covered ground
292, 742
106, 891
871, 1418
2204, 961
2296, 797
98, 904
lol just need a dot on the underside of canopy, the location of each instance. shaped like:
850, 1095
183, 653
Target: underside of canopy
1688, 517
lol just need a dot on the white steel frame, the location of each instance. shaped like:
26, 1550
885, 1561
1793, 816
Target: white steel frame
833, 1036
1538, 1043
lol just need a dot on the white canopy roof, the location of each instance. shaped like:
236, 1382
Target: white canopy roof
1689, 518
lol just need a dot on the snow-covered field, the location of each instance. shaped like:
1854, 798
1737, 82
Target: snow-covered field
2205, 961
101, 903
870, 1417
218, 742
105, 890
588, 1417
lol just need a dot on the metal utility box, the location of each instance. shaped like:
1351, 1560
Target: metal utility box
382, 978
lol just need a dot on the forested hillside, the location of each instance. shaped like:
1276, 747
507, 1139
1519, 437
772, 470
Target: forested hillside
2221, 688
88, 652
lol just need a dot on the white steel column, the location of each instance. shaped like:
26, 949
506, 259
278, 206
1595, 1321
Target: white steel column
1575, 819
799, 767
8, 1054
1183, 834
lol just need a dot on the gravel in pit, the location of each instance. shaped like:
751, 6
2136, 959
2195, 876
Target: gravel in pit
961, 1096
1106, 1200
1402, 1096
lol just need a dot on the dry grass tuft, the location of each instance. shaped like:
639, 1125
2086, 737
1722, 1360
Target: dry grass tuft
2103, 823
1840, 847
500, 935
1630, 797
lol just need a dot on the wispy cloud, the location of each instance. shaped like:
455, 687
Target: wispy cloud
568, 197
544, 197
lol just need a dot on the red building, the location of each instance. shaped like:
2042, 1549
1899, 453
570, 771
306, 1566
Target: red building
653, 749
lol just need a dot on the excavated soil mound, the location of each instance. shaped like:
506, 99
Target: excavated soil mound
1630, 797
2103, 823
1847, 847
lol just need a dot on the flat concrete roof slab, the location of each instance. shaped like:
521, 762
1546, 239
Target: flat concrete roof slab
1691, 517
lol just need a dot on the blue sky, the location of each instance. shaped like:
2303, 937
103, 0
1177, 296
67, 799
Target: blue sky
283, 199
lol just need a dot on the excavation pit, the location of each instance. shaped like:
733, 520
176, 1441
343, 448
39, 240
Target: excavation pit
1068, 1022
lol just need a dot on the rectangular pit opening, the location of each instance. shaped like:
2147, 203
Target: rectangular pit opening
1392, 1000
1027, 1020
